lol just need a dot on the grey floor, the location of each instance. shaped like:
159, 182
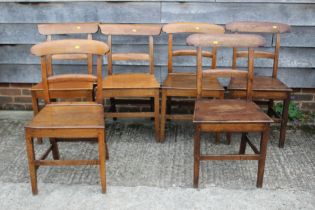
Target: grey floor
142, 174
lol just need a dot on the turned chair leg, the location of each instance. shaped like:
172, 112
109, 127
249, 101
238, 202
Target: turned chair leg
284, 121
157, 115
243, 144
196, 156
263, 152
102, 160
31, 162
163, 116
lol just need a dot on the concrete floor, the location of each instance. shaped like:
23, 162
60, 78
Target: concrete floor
142, 174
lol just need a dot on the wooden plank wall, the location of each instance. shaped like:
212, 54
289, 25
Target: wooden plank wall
18, 31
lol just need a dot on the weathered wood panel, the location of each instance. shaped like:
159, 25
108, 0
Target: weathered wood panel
19, 19
31, 73
28, 34
272, 1
289, 57
221, 13
119, 12
294, 77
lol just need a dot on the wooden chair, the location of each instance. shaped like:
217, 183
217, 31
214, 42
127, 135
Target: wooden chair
75, 89
132, 85
229, 115
178, 84
67, 120
268, 88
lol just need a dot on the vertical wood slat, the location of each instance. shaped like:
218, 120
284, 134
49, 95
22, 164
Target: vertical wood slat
44, 79
151, 54
99, 90
276, 56
109, 56
170, 53
250, 74
199, 72
90, 58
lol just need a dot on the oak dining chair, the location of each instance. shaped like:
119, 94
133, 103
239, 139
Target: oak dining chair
67, 120
76, 89
132, 85
229, 115
183, 84
266, 89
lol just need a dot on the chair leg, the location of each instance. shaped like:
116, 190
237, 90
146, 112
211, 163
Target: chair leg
261, 162
31, 162
284, 121
163, 115
113, 107
157, 115
243, 144
107, 154
196, 156
102, 159
35, 108
55, 150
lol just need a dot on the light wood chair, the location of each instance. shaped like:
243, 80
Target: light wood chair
132, 85
179, 84
67, 120
229, 115
76, 89
268, 88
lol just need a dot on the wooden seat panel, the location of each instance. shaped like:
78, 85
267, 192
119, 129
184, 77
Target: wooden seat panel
228, 111
69, 115
188, 82
260, 83
130, 81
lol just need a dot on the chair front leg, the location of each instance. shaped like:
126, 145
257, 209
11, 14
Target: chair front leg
284, 121
31, 162
196, 156
262, 160
163, 115
157, 114
102, 159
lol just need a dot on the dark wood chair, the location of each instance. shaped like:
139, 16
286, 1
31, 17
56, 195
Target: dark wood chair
67, 120
132, 85
76, 89
179, 84
265, 88
229, 115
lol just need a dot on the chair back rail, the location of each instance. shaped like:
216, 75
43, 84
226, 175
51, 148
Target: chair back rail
259, 27
149, 30
230, 41
190, 27
71, 46
70, 28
